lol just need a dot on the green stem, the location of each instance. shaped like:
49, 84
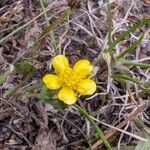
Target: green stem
97, 129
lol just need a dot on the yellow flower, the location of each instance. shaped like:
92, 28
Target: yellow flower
70, 80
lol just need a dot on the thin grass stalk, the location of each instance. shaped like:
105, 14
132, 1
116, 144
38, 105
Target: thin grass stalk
97, 129
130, 48
71, 123
134, 63
51, 34
126, 33
37, 44
21, 27
109, 21
21, 84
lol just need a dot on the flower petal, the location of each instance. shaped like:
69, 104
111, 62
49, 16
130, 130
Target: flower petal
67, 95
82, 68
86, 87
52, 81
60, 64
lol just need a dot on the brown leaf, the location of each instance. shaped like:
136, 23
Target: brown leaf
46, 140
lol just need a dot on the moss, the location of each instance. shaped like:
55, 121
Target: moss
24, 67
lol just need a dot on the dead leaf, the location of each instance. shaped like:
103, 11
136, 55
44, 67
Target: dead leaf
46, 140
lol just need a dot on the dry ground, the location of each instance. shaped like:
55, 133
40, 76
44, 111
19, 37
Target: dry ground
120, 109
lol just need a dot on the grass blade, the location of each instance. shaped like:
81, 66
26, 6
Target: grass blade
135, 63
3, 77
71, 123
125, 77
143, 146
130, 48
38, 43
97, 129
21, 27
124, 34
51, 34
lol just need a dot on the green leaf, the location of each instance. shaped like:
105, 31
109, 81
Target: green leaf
147, 85
143, 146
24, 67
130, 48
144, 93
125, 77
56, 103
146, 129
134, 63
44, 93
4, 76
95, 125
34, 86
48, 96
126, 33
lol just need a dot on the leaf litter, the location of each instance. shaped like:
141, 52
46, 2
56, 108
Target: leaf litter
28, 123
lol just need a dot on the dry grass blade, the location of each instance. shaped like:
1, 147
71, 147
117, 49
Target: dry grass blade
39, 42
25, 25
123, 123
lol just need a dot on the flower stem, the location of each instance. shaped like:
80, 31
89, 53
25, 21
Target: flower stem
97, 129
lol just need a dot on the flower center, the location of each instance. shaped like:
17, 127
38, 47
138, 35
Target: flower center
70, 78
